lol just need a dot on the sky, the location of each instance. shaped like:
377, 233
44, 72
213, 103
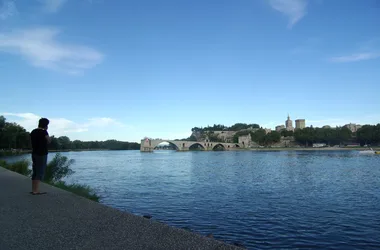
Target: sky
124, 70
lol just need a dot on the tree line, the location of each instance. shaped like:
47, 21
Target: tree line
220, 127
329, 136
64, 143
369, 134
366, 135
14, 136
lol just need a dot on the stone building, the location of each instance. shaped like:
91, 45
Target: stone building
353, 127
289, 124
300, 124
279, 128
245, 140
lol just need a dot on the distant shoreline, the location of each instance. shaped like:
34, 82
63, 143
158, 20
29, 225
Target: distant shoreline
22, 152
10, 153
313, 149
278, 149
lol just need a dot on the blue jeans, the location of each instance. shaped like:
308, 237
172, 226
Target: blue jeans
39, 166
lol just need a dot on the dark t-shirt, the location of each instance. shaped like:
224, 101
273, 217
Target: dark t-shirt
39, 142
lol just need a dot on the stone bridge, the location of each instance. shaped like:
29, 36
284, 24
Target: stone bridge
148, 145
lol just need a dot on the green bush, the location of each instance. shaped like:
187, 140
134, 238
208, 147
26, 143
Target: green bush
3, 163
58, 168
21, 167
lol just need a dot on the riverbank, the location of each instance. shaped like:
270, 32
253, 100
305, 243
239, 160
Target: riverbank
56, 169
21, 152
62, 220
314, 149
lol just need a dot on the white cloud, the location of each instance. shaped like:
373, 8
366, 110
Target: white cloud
41, 48
103, 122
60, 126
52, 5
7, 9
355, 57
295, 10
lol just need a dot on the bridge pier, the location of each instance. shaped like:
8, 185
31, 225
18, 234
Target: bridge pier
146, 149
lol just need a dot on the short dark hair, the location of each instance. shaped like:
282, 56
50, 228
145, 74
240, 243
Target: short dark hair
43, 123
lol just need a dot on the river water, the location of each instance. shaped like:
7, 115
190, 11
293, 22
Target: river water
294, 199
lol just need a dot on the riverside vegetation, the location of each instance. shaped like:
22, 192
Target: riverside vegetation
366, 135
14, 136
57, 169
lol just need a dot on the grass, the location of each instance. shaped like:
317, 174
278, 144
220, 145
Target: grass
56, 170
21, 167
78, 189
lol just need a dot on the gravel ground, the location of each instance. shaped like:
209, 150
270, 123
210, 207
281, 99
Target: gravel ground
62, 220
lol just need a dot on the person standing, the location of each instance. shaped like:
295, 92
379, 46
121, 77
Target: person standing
40, 140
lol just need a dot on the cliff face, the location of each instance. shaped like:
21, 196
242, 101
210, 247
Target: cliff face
223, 136
198, 135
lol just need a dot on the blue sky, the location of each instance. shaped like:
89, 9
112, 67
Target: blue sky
128, 69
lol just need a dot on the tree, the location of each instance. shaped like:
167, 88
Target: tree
64, 142
2, 122
273, 137
192, 138
259, 136
58, 168
241, 126
286, 133
330, 136
23, 140
310, 135
345, 134
368, 134
14, 136
54, 145
305, 136
376, 134
77, 144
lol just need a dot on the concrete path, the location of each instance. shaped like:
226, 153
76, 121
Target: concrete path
62, 220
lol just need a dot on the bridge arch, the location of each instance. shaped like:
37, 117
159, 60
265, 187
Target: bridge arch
219, 147
196, 146
173, 145
149, 145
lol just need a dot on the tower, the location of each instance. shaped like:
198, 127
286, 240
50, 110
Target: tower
300, 124
289, 124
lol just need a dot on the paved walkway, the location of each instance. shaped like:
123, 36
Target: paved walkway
62, 220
